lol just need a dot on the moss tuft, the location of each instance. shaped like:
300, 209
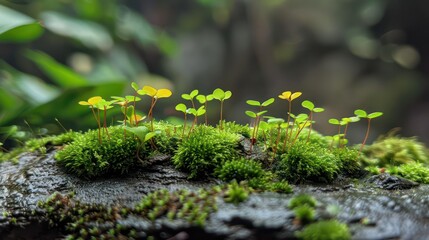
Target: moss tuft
416, 172
395, 151
325, 230
236, 193
350, 161
304, 213
204, 150
87, 158
239, 169
302, 200
306, 162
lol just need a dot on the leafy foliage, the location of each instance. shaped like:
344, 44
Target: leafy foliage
86, 158
204, 150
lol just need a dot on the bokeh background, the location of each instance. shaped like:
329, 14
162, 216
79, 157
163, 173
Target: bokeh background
342, 54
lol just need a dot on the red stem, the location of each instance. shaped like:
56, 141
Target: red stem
366, 135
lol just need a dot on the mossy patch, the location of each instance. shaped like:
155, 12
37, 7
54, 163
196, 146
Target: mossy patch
87, 158
325, 230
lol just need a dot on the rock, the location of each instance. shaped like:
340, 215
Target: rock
389, 182
261, 216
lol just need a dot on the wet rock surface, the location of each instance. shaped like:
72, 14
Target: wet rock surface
380, 207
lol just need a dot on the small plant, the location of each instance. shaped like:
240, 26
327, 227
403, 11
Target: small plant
304, 214
196, 112
236, 193
362, 114
221, 96
191, 97
339, 136
310, 106
155, 94
257, 115
416, 172
289, 96
143, 134
278, 122
204, 99
182, 108
325, 230
346, 121
92, 103
104, 105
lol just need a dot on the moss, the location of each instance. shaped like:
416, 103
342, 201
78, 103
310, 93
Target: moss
168, 137
395, 151
204, 150
236, 193
306, 162
302, 200
280, 187
304, 214
239, 169
325, 230
233, 127
350, 161
413, 171
87, 158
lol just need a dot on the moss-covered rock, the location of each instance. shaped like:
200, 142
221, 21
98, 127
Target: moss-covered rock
239, 169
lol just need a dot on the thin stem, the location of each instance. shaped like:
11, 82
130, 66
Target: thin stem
277, 141
105, 122
311, 126
184, 125
287, 125
98, 123
221, 110
135, 115
205, 114
193, 106
125, 119
366, 135
345, 132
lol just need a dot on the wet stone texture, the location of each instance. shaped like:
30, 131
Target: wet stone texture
378, 207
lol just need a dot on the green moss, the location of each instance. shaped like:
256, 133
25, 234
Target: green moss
413, 171
395, 151
236, 193
204, 150
87, 158
239, 169
325, 230
233, 127
304, 213
302, 200
280, 186
306, 162
350, 161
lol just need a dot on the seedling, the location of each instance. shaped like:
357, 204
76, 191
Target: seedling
143, 134
203, 99
362, 114
301, 121
92, 102
310, 106
191, 97
289, 96
257, 116
278, 122
104, 106
196, 112
221, 96
155, 94
182, 108
135, 99
346, 121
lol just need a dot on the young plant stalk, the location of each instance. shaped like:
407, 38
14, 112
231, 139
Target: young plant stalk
257, 116
310, 106
221, 96
182, 108
362, 114
155, 94
278, 122
289, 96
92, 102
191, 97
196, 112
346, 122
203, 100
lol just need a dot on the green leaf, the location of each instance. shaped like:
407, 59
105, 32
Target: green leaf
354, 119
209, 97
201, 98
218, 94
58, 73
268, 102
374, 115
192, 111
276, 120
140, 132
263, 125
149, 135
201, 110
261, 113
181, 107
17, 27
251, 114
186, 96
361, 113
90, 34
334, 121
317, 110
135, 86
228, 95
308, 104
193, 93
253, 103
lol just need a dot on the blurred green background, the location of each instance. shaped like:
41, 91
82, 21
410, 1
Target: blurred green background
342, 54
